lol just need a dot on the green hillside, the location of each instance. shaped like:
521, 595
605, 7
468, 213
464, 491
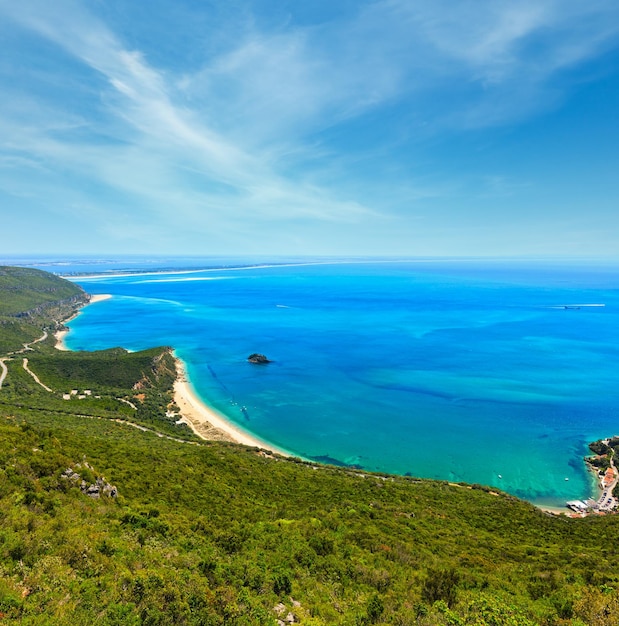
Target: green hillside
23, 289
213, 533
32, 301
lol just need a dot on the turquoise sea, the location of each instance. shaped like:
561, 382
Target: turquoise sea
466, 371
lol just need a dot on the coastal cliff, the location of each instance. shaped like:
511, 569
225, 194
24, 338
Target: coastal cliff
32, 301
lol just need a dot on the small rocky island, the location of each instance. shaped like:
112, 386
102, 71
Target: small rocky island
258, 359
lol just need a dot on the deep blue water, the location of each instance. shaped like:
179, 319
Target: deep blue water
463, 371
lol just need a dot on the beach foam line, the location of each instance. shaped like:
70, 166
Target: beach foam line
199, 416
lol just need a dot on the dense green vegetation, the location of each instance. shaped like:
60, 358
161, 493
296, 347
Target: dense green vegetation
606, 454
607, 447
111, 384
24, 290
115, 368
32, 301
216, 533
14, 333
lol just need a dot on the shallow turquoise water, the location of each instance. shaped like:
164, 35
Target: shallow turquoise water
462, 371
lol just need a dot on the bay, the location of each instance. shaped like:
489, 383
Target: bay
468, 371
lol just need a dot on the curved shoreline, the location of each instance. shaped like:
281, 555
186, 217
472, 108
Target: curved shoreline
212, 425
203, 419
60, 335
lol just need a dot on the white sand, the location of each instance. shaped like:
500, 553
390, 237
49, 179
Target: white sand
555, 510
99, 297
60, 335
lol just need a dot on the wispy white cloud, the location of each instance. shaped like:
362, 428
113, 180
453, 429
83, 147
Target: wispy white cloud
509, 55
488, 61
166, 153
250, 134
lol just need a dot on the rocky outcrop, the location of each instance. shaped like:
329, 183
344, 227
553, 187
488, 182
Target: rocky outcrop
258, 359
94, 490
285, 616
70, 303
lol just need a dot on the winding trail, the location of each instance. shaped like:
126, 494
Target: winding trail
27, 347
43, 337
150, 430
117, 421
36, 378
4, 371
135, 408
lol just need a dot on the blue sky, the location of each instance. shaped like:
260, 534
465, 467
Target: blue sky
411, 128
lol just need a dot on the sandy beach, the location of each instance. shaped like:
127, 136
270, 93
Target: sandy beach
555, 510
206, 422
99, 297
61, 334
209, 424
